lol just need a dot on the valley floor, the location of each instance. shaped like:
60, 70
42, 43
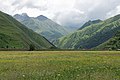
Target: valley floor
60, 65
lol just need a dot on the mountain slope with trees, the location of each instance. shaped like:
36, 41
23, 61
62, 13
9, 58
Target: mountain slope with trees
90, 23
90, 36
14, 35
112, 44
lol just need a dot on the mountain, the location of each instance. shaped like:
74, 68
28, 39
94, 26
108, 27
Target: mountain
112, 44
42, 25
42, 18
90, 23
14, 35
90, 36
22, 17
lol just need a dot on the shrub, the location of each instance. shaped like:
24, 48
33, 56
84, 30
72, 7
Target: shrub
31, 47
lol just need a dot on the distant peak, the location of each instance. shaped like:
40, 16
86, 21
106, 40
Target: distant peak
90, 22
41, 17
24, 14
97, 20
21, 17
16, 15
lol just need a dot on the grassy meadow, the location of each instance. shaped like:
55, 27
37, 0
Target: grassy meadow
60, 65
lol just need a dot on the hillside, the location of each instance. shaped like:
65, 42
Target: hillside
14, 35
42, 25
90, 23
90, 36
112, 44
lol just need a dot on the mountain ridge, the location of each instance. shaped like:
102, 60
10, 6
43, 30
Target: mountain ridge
14, 35
90, 22
90, 36
44, 26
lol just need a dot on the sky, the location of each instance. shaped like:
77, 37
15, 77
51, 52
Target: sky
65, 12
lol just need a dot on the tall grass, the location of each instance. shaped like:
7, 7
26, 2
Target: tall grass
59, 65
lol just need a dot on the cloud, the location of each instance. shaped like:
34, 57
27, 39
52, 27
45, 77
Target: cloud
96, 8
65, 12
6, 7
69, 17
113, 12
40, 4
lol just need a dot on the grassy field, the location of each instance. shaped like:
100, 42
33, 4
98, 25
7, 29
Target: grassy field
59, 65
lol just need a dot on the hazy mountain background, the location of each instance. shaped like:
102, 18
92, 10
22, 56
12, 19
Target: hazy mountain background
44, 26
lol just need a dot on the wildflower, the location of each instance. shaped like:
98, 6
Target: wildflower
23, 75
78, 75
58, 74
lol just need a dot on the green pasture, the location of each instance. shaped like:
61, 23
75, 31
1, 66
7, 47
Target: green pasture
60, 65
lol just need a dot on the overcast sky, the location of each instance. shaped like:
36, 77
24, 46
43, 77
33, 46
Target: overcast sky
64, 12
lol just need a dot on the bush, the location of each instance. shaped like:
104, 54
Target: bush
7, 46
31, 47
